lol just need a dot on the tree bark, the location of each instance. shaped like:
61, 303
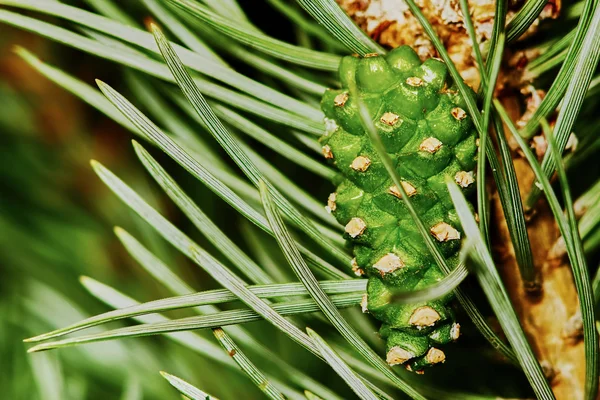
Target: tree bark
549, 318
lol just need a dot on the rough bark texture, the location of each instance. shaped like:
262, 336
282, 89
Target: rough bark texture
391, 23
547, 318
550, 318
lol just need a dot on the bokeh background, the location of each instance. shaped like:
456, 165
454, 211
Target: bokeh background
56, 225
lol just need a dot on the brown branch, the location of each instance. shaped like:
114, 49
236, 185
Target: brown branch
550, 318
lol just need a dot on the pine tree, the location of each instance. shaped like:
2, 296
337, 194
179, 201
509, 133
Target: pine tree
409, 141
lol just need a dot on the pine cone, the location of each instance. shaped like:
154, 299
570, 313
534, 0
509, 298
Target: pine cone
422, 122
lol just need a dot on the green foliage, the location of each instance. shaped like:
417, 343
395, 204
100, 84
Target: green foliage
243, 123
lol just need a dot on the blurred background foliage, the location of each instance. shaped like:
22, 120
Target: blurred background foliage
56, 225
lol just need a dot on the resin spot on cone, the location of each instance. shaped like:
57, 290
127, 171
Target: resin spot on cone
326, 151
464, 179
444, 232
355, 227
388, 263
358, 271
331, 205
435, 356
447, 90
340, 99
430, 145
360, 163
455, 331
458, 113
330, 126
424, 316
397, 355
364, 303
408, 188
414, 81
389, 118
419, 372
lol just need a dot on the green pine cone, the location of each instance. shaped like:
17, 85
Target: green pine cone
422, 122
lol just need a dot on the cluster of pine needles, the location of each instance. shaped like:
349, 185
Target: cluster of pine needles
222, 99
